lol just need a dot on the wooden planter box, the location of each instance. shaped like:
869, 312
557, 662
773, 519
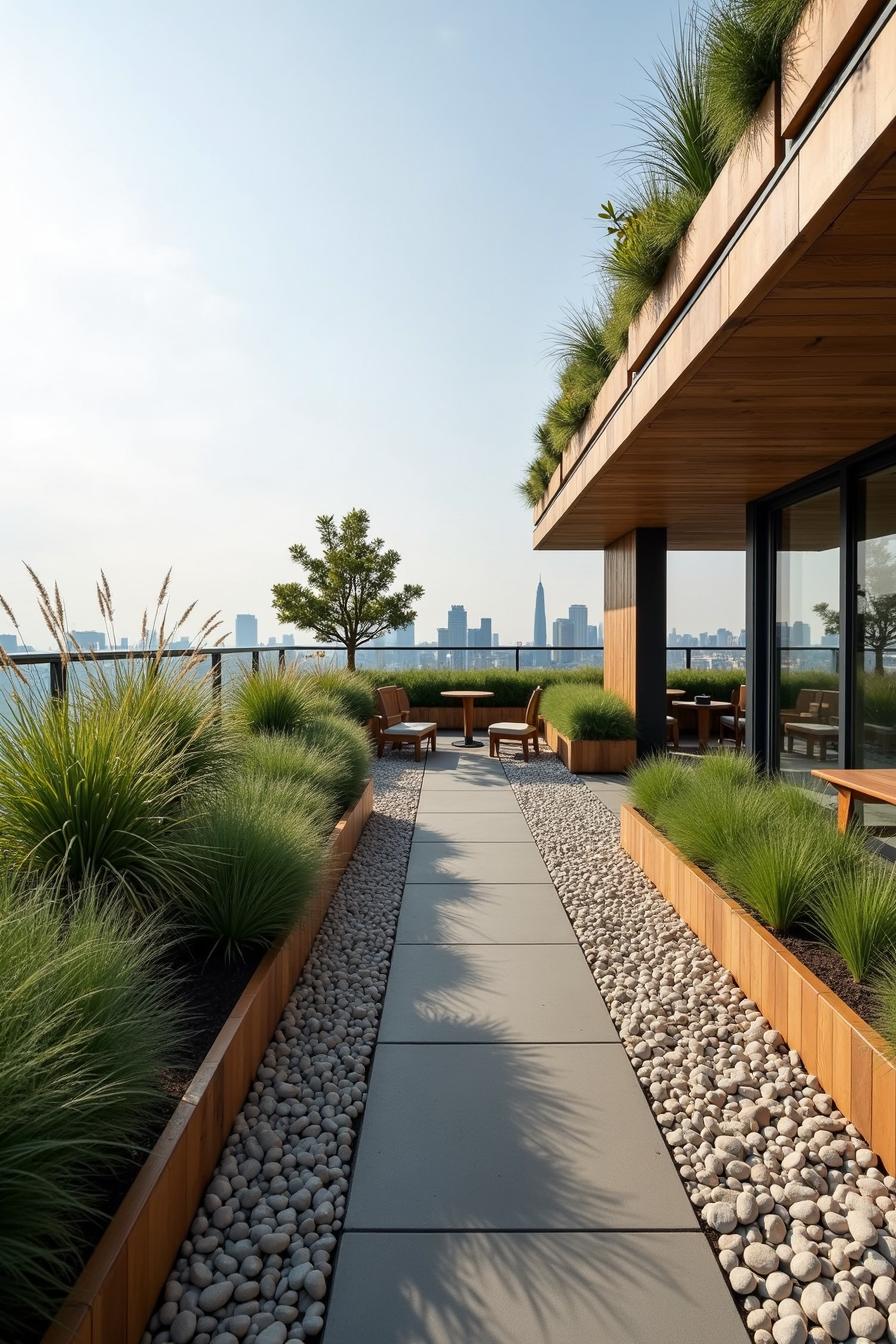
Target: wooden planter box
590, 758
851, 1060
115, 1295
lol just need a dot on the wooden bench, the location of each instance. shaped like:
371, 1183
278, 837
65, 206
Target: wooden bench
864, 786
395, 725
810, 733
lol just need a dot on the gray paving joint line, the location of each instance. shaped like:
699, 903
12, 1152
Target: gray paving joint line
529, 1231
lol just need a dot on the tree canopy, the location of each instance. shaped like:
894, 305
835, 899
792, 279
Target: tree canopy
346, 598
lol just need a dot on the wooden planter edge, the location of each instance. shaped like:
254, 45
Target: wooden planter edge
852, 1061
116, 1291
584, 757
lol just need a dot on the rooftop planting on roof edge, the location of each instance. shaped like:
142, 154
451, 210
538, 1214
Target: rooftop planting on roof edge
707, 86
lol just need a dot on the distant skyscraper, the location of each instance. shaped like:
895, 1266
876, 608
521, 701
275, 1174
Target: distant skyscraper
288, 641
246, 631
406, 635
578, 614
457, 634
563, 639
540, 631
442, 642
88, 641
9, 642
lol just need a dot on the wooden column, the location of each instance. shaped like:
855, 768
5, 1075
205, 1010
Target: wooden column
635, 629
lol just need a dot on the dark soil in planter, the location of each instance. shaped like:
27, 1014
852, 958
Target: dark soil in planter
830, 967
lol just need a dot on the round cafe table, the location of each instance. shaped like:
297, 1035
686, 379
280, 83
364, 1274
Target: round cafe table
467, 697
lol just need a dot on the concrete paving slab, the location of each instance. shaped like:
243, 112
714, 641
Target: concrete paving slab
468, 799
476, 759
489, 827
511, 1137
530, 1288
487, 993
476, 861
483, 781
479, 912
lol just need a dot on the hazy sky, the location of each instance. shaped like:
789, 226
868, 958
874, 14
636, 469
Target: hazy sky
261, 261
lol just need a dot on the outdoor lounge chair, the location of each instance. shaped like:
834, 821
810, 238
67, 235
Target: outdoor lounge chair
395, 725
523, 733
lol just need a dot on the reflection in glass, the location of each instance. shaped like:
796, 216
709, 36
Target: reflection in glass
875, 736
807, 599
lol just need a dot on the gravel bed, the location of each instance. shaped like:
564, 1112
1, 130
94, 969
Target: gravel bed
260, 1250
799, 1212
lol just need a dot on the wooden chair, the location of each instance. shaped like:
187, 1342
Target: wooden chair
523, 733
396, 727
734, 724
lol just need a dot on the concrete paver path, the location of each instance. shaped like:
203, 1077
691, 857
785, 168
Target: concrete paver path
511, 1185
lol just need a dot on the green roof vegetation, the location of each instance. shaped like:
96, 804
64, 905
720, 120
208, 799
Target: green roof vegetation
706, 88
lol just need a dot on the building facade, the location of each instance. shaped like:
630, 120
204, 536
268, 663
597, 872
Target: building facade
755, 409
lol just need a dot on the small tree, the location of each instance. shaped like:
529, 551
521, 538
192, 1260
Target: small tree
877, 610
346, 599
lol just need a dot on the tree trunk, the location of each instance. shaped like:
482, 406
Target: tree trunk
350, 657
879, 662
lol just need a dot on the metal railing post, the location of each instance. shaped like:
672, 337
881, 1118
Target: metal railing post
216, 679
687, 657
58, 677
254, 660
281, 658
516, 658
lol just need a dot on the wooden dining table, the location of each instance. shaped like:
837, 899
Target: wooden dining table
858, 786
467, 698
705, 714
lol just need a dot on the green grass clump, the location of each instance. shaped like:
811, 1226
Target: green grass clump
261, 847
315, 778
588, 713
178, 706
714, 814
347, 747
856, 914
657, 221
90, 787
657, 780
745, 39
272, 700
349, 693
776, 869
87, 1023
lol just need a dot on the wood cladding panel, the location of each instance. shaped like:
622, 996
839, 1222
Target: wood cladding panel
589, 758
852, 1061
620, 619
820, 46
785, 363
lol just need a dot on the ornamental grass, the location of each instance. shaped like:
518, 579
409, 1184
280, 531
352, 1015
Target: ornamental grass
588, 713
88, 1021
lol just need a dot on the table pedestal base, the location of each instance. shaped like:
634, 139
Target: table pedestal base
468, 742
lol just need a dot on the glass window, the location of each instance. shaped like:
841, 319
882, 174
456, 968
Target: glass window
875, 733
807, 638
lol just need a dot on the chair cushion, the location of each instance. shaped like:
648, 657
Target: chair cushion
511, 729
728, 720
408, 729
